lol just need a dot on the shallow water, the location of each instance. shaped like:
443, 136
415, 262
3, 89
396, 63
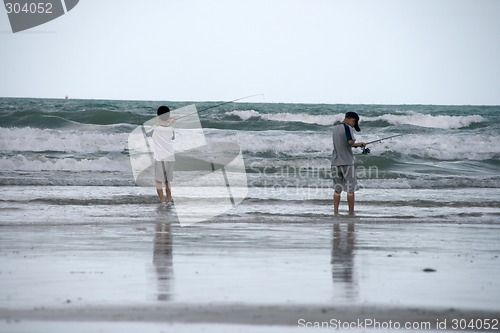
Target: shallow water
63, 205
101, 258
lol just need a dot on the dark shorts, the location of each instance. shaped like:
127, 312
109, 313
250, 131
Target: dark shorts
164, 171
344, 178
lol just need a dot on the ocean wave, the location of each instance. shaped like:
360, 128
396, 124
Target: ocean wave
408, 118
41, 117
42, 163
275, 142
39, 140
285, 184
427, 120
442, 147
447, 147
56, 178
325, 120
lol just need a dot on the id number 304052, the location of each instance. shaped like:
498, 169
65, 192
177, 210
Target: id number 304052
29, 8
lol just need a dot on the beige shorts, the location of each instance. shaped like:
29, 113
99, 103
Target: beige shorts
164, 171
344, 178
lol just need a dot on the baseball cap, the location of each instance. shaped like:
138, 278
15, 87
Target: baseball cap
354, 115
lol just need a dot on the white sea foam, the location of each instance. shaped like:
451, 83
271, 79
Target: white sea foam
409, 118
443, 147
38, 140
427, 120
41, 163
305, 118
308, 144
23, 144
278, 142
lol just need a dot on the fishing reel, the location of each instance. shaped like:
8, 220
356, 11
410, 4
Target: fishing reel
366, 151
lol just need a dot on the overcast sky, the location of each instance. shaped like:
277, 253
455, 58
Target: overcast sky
302, 51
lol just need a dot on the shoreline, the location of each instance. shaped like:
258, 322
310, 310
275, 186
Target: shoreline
245, 314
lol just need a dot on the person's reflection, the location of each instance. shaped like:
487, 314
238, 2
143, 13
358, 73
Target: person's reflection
162, 260
343, 261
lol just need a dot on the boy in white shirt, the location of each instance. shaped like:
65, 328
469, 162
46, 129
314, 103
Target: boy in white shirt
164, 154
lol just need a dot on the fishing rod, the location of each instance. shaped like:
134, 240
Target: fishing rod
174, 119
367, 150
171, 121
214, 106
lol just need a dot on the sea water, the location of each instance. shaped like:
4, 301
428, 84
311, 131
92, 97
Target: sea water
72, 154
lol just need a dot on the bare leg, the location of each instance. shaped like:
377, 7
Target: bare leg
336, 202
159, 190
350, 202
168, 191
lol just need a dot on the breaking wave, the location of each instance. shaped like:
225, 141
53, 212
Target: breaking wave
409, 118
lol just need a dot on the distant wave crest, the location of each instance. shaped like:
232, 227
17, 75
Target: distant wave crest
427, 120
409, 118
288, 117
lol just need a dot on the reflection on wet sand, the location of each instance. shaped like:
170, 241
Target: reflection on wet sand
163, 260
342, 260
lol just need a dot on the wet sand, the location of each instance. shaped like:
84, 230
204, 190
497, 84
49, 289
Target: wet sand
239, 315
258, 274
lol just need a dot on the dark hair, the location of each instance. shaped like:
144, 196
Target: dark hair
162, 110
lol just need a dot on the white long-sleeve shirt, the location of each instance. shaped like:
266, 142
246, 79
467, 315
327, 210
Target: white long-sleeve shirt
163, 146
